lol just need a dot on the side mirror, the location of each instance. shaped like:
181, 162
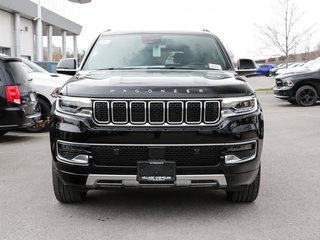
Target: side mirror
246, 67
67, 66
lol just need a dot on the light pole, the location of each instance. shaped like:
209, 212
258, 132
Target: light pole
39, 55
75, 44
39, 48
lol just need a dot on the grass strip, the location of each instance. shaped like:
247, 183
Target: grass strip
263, 89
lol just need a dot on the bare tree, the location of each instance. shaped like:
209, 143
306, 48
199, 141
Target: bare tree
307, 47
283, 36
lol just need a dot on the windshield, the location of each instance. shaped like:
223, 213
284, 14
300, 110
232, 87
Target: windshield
175, 51
32, 67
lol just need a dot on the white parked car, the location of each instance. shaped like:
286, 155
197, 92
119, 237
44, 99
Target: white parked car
312, 64
290, 67
45, 83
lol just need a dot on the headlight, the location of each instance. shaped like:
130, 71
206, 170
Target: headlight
239, 105
288, 83
75, 106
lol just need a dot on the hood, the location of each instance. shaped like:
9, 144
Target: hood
295, 70
50, 77
156, 84
300, 73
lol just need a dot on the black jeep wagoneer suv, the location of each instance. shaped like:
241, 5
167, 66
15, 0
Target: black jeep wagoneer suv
155, 110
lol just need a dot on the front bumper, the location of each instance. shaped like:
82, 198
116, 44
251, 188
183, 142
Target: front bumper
232, 131
283, 92
231, 180
15, 117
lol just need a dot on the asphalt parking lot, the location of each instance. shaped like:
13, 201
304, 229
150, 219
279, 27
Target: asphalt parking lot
287, 207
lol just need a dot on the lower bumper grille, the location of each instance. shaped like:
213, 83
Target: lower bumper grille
189, 159
182, 155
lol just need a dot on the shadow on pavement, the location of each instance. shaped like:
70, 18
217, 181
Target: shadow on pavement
289, 105
155, 204
14, 138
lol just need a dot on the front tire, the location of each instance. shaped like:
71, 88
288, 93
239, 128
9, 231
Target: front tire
306, 96
246, 195
63, 194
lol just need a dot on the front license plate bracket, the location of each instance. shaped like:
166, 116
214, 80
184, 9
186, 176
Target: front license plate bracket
156, 171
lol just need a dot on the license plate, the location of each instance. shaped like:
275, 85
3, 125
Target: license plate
32, 97
156, 171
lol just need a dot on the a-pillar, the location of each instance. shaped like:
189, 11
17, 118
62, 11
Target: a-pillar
50, 43
16, 46
75, 47
64, 44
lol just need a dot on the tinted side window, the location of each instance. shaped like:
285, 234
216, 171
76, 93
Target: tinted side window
18, 73
2, 79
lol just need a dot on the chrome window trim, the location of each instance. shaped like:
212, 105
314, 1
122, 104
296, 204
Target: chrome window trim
204, 112
145, 112
163, 112
182, 112
94, 112
192, 101
118, 122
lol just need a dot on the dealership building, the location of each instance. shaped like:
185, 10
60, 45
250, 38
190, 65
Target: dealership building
24, 24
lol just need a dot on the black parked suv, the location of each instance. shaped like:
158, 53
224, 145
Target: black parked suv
301, 86
156, 110
18, 102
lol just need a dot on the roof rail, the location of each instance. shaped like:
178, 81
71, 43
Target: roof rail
205, 30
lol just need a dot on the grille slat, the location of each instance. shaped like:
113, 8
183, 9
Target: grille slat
175, 112
193, 112
138, 112
156, 112
102, 111
119, 112
211, 112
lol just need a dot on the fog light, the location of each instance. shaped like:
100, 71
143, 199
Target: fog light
231, 159
240, 153
82, 159
73, 153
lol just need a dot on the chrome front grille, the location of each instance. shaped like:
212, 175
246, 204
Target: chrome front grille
156, 112
279, 83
